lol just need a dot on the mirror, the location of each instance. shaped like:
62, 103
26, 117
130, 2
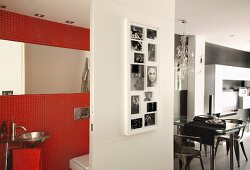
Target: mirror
39, 69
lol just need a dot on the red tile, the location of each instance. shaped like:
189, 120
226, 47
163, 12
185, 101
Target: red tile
52, 113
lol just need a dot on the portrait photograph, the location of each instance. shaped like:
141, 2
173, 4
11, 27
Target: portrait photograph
151, 76
151, 34
135, 104
136, 45
138, 58
137, 77
151, 107
149, 119
148, 96
136, 32
151, 52
136, 123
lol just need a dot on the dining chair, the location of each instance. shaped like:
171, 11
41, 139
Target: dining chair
185, 151
237, 139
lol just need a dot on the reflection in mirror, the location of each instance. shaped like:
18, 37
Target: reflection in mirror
38, 69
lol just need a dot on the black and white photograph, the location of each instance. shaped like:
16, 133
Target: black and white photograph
136, 32
142, 69
151, 52
138, 58
10, 92
135, 104
149, 119
148, 96
151, 107
151, 34
137, 77
136, 123
151, 76
136, 45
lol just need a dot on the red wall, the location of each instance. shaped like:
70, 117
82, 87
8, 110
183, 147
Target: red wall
53, 112
23, 28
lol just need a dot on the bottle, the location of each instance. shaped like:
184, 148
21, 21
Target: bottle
4, 130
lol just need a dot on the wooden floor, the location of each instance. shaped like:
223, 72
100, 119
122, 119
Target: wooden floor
222, 160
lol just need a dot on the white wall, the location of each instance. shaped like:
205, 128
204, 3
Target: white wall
215, 74
53, 69
196, 78
11, 57
110, 149
209, 87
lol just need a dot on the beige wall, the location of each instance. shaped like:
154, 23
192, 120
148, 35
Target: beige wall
110, 149
52, 69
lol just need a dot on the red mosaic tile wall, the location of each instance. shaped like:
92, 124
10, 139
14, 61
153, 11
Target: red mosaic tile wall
23, 28
54, 114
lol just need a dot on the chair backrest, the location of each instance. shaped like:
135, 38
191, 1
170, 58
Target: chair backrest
183, 140
240, 133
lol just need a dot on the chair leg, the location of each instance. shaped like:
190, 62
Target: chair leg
227, 146
205, 149
186, 162
237, 153
202, 165
180, 164
216, 147
243, 149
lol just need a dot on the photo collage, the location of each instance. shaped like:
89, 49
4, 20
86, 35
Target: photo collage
143, 90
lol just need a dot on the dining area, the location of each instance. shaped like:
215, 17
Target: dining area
212, 143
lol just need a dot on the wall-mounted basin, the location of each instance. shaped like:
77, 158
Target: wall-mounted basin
32, 139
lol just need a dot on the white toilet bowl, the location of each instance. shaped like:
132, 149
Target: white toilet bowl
79, 163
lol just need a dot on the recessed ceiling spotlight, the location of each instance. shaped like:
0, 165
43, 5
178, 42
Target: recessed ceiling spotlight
39, 15
232, 35
183, 21
2, 6
69, 22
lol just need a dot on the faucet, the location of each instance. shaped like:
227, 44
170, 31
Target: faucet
13, 129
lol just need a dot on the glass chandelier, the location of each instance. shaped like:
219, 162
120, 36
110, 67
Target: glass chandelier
184, 59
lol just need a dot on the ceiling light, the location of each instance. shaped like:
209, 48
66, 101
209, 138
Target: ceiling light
2, 6
184, 58
69, 22
232, 35
39, 15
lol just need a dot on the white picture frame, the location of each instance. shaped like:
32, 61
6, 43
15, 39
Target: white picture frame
141, 44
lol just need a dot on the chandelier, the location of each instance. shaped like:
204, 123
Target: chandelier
184, 59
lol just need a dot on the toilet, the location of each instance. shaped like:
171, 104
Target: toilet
79, 163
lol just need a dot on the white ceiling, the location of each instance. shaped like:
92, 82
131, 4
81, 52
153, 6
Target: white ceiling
216, 20
54, 10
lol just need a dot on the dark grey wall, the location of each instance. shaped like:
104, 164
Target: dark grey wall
216, 54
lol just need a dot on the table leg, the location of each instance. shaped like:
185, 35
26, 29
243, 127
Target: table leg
231, 151
212, 160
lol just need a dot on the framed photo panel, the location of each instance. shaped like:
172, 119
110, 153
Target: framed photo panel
141, 77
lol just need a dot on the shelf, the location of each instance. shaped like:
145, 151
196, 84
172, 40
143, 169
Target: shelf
228, 114
236, 91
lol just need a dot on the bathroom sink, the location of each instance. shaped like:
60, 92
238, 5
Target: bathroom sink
32, 139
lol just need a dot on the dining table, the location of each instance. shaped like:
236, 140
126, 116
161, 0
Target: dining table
208, 134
